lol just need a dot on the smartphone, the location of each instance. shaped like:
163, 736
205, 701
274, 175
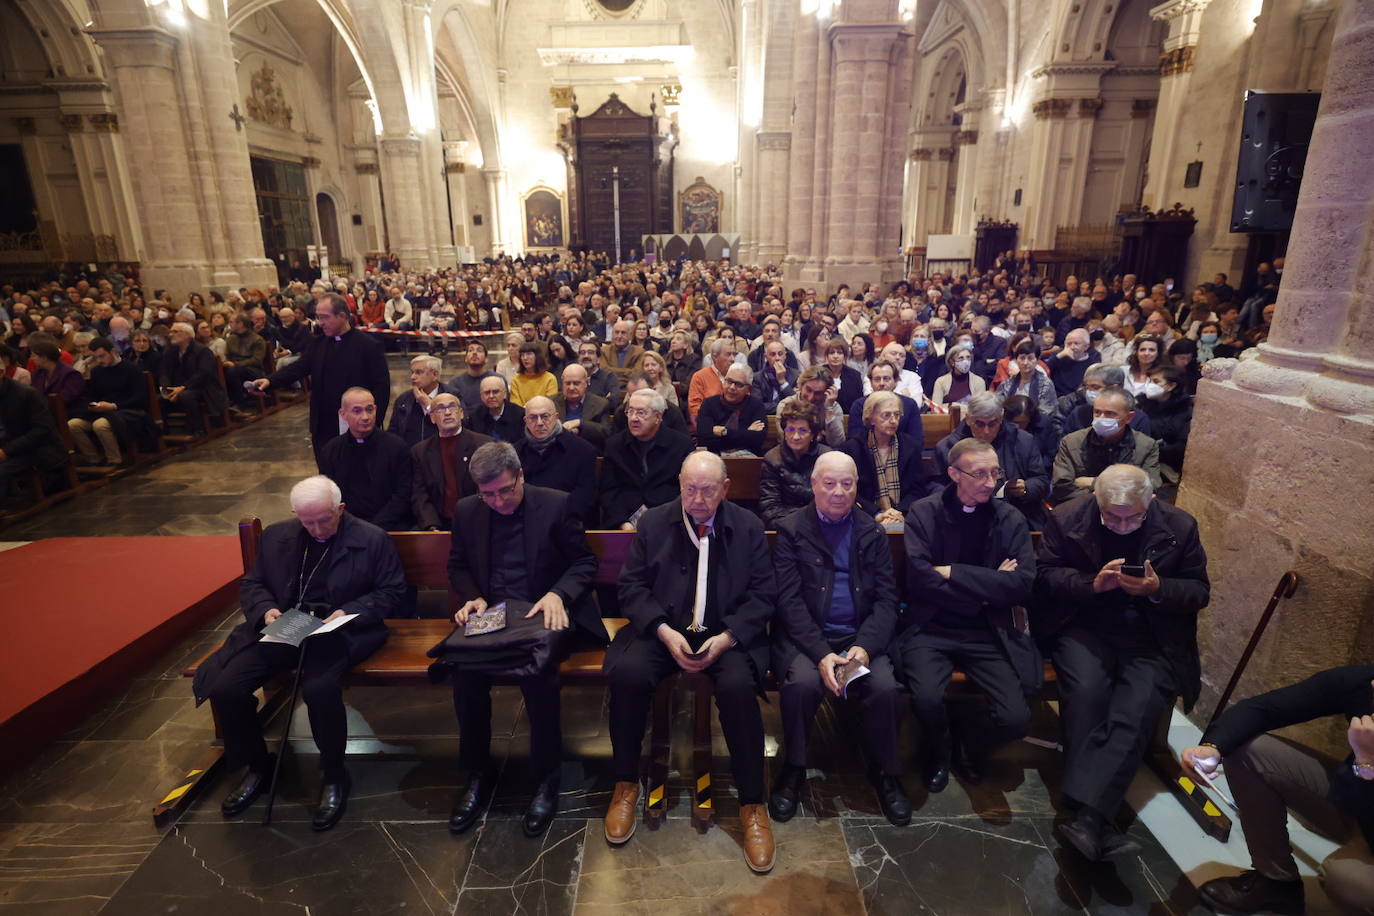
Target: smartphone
696, 656
1137, 572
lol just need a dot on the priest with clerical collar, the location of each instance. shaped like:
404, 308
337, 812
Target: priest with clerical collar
370, 465
329, 564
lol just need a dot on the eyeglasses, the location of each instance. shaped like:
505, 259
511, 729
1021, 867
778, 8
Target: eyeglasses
889, 415
505, 492
638, 413
447, 408
1121, 521
798, 430
991, 475
734, 383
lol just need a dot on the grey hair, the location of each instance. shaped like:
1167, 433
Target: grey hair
742, 367
492, 460
720, 344
876, 401
315, 490
984, 405
1126, 397
1111, 376
1123, 485
657, 403
429, 362
183, 327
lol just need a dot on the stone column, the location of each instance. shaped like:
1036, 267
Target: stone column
496, 193
455, 174
370, 202
801, 171
966, 142
406, 211
1280, 467
1184, 18
770, 214
1060, 141
104, 176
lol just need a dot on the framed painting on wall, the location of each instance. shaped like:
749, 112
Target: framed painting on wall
698, 207
543, 219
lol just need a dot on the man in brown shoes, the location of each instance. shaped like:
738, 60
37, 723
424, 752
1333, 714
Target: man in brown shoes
699, 591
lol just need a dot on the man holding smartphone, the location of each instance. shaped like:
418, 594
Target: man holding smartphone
699, 590
1122, 576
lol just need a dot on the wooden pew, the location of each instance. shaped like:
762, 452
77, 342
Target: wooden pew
403, 660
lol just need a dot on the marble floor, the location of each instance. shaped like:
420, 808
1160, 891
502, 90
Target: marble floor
76, 836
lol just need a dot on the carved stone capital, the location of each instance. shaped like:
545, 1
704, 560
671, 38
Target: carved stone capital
311, 162
1088, 108
72, 123
966, 138
561, 96
922, 155
365, 168
105, 122
1142, 108
1046, 109
455, 168
944, 154
1179, 60
774, 140
1172, 9
27, 127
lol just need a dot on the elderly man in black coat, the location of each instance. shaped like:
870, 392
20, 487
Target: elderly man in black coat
327, 563
969, 565
189, 377
439, 465
519, 543
410, 415
837, 600
698, 588
734, 422
642, 463
341, 357
1018, 454
1122, 577
554, 458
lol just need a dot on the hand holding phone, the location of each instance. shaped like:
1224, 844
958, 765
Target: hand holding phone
1135, 571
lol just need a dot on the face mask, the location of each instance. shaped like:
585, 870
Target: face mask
1105, 426
67, 327
881, 326
1140, 294
1090, 394
938, 334
120, 335
963, 365
1097, 335
1209, 338
1154, 391
920, 343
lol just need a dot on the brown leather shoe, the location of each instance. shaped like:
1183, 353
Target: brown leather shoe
621, 817
758, 837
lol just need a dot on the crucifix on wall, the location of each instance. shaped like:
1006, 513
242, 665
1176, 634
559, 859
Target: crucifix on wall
237, 118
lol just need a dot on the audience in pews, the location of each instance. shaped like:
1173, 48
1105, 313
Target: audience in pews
552, 456
1110, 440
785, 476
733, 423
410, 415
641, 463
1027, 479
583, 414
497, 417
888, 461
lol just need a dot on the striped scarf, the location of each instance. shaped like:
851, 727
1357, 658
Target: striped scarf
889, 481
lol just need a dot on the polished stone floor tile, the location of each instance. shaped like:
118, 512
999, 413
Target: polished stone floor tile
67, 869
677, 870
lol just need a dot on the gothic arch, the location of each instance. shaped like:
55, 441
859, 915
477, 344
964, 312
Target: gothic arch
62, 38
473, 73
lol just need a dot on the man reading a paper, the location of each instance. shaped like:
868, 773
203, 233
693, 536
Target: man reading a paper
328, 564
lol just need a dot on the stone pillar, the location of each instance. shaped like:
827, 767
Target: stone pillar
455, 174
930, 180
864, 57
496, 193
1184, 18
1280, 467
1060, 142
801, 171
770, 214
187, 155
406, 211
370, 202
104, 175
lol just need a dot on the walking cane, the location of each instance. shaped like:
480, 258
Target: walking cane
1288, 584
285, 736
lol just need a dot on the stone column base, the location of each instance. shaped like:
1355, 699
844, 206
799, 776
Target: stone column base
856, 271
1277, 483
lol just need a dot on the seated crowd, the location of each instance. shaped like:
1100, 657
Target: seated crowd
1075, 411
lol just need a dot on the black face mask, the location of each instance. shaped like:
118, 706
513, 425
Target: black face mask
665, 322
938, 334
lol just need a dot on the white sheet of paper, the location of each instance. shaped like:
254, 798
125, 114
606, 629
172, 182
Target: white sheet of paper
333, 624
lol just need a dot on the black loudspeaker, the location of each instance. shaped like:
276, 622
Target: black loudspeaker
1275, 131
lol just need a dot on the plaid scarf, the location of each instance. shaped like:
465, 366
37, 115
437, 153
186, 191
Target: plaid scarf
889, 482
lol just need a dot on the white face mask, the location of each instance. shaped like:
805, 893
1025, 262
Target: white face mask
963, 365
1105, 426
1154, 391
1090, 394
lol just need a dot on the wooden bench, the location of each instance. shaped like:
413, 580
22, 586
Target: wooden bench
403, 661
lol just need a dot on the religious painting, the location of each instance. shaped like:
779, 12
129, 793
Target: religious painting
543, 219
698, 207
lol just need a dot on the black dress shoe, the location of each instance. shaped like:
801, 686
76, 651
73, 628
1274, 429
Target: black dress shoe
896, 806
470, 804
1116, 845
248, 789
539, 815
782, 803
1085, 835
965, 767
333, 801
1251, 892
936, 776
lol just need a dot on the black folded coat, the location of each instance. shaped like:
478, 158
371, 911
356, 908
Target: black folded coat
522, 648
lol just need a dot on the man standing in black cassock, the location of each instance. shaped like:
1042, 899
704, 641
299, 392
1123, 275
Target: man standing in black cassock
342, 357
